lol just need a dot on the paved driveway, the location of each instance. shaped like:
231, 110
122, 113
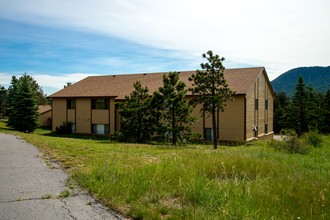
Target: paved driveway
26, 183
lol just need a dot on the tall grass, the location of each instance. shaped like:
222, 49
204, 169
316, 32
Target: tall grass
196, 182
207, 184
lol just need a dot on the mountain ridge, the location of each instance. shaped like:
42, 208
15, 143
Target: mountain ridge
316, 76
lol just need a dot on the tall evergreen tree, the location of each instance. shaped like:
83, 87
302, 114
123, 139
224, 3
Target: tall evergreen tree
3, 97
40, 96
281, 104
298, 108
137, 122
175, 110
314, 111
23, 104
326, 107
211, 89
12, 106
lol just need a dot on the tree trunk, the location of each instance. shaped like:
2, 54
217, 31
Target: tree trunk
214, 126
173, 127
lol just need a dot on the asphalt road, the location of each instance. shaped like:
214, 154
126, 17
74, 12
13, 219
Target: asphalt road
30, 189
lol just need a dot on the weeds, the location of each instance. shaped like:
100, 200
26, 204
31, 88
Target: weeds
291, 143
313, 138
47, 196
64, 194
195, 182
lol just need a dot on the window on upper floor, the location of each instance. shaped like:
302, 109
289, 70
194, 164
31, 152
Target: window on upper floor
256, 104
266, 104
70, 103
100, 103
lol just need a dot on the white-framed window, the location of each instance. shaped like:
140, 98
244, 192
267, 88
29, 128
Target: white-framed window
100, 128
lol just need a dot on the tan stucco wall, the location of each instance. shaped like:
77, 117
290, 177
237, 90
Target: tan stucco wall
45, 119
71, 115
58, 112
83, 115
112, 116
100, 116
262, 116
197, 126
231, 120
250, 113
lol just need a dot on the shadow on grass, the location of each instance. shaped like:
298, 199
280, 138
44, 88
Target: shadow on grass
79, 136
6, 129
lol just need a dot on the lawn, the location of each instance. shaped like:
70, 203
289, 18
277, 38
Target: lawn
195, 182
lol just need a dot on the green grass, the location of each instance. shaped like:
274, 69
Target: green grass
195, 181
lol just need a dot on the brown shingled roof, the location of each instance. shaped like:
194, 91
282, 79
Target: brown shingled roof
239, 80
44, 108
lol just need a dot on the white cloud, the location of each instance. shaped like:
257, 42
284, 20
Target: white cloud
5, 79
58, 81
277, 34
49, 83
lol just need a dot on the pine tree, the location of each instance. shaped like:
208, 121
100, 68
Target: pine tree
23, 104
298, 108
211, 89
11, 102
314, 111
175, 110
137, 123
326, 107
40, 96
281, 104
3, 97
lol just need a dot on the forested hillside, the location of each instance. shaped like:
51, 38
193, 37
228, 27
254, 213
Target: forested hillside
317, 77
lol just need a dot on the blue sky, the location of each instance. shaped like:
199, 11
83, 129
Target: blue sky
64, 41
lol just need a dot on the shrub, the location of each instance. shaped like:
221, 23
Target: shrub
118, 136
290, 143
196, 138
63, 129
313, 138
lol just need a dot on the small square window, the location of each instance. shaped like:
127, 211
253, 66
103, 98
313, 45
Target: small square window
71, 103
